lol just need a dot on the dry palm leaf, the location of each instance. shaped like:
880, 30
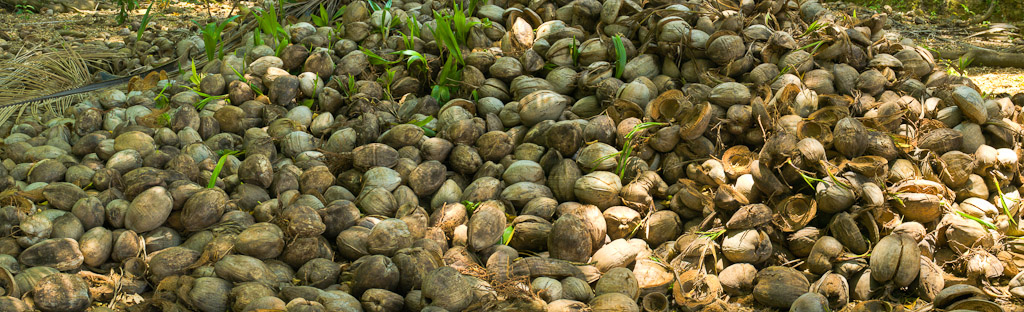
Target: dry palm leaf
40, 71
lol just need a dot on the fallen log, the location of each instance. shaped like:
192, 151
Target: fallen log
985, 57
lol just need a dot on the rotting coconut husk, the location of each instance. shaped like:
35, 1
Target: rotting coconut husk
438, 200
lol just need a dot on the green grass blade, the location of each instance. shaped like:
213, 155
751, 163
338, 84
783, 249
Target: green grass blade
145, 22
507, 235
376, 59
216, 172
1002, 202
620, 54
976, 219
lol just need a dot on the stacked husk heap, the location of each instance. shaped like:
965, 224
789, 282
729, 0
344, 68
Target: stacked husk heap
566, 155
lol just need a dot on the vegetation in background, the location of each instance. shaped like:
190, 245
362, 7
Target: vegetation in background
324, 19
212, 37
1006, 10
24, 9
125, 7
145, 22
267, 20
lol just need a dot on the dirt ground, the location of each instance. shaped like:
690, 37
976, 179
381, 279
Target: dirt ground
933, 32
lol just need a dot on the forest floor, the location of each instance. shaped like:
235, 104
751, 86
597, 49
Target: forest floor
25, 29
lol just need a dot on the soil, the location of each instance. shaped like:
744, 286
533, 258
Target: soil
934, 32
949, 33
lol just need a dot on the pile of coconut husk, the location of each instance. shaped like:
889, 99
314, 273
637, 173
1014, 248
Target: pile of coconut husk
543, 156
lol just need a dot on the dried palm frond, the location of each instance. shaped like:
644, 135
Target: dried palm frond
41, 71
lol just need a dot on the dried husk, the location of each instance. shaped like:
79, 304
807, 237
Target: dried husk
823, 254
486, 225
750, 246
794, 212
921, 200
569, 239
779, 287
599, 188
694, 120
749, 216
834, 288
736, 161
738, 279
621, 221
696, 289
729, 199
845, 229
850, 137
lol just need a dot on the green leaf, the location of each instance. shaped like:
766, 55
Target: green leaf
201, 104
440, 93
422, 123
470, 206
1002, 202
216, 172
374, 58
413, 57
620, 54
507, 235
980, 221
145, 22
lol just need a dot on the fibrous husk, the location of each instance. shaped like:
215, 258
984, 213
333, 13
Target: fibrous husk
896, 259
696, 289
834, 288
921, 200
779, 287
794, 212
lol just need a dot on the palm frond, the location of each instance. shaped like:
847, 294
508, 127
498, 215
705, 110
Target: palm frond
41, 71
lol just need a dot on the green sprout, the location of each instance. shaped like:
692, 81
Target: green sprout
351, 85
324, 19
212, 37
712, 235
24, 9
897, 198
123, 8
506, 236
385, 27
257, 40
423, 124
220, 165
414, 26
811, 180
813, 27
161, 99
246, 81
1002, 201
620, 54
470, 206
976, 219
165, 118
574, 52
815, 44
386, 80
145, 22
627, 148
267, 20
